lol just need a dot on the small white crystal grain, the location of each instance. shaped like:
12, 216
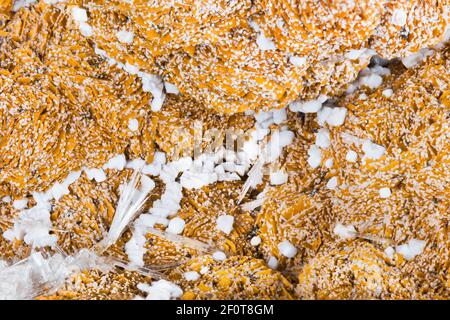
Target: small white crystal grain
287, 249
332, 183
278, 177
125, 36
133, 124
20, 204
351, 156
399, 17
219, 256
344, 232
272, 262
255, 241
411, 249
224, 223
191, 275
385, 193
176, 225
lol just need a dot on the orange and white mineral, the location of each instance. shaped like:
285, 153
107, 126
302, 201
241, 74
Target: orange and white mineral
217, 149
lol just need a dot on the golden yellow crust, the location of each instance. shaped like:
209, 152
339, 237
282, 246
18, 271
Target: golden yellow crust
99, 285
184, 124
380, 232
219, 54
62, 103
236, 278
357, 270
412, 125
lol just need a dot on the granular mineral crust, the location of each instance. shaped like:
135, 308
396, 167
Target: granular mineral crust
239, 55
199, 149
62, 103
236, 278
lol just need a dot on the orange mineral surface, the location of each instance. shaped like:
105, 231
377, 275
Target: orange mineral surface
199, 149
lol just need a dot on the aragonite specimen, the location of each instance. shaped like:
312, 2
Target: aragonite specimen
238, 277
200, 149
